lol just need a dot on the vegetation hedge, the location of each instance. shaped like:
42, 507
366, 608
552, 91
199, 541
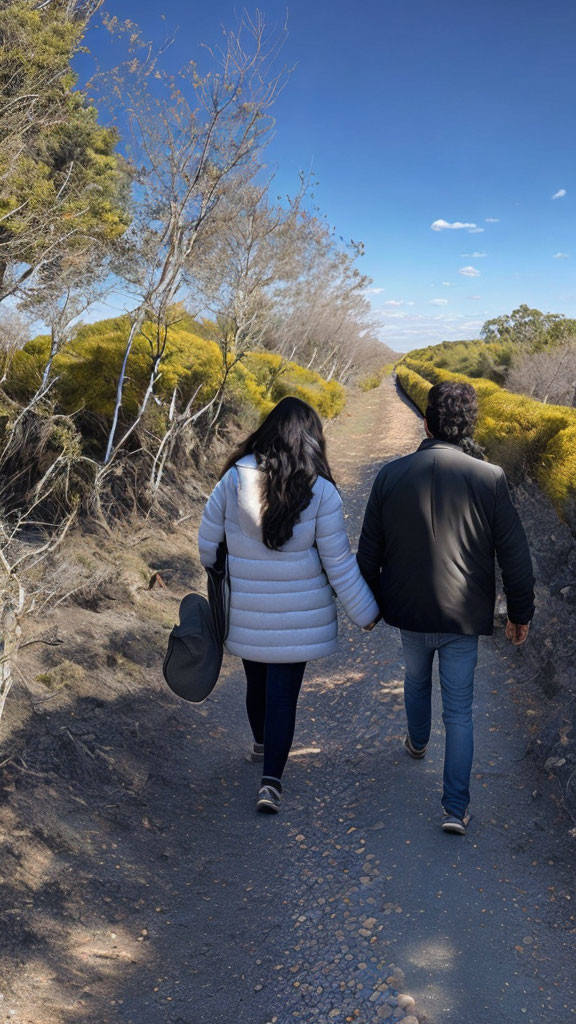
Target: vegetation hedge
521, 434
414, 384
488, 360
278, 378
374, 380
86, 370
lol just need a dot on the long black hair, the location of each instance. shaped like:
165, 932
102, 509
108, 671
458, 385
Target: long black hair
291, 450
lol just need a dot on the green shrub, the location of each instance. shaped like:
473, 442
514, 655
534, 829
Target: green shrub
280, 378
374, 380
86, 371
557, 472
490, 360
415, 386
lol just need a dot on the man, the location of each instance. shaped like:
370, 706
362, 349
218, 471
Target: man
434, 523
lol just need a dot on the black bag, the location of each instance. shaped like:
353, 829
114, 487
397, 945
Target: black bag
196, 646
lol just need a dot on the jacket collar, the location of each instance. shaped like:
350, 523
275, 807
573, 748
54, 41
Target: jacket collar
248, 462
433, 442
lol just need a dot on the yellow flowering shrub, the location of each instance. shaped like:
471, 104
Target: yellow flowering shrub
519, 433
279, 378
86, 370
415, 386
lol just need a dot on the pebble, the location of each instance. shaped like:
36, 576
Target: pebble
396, 980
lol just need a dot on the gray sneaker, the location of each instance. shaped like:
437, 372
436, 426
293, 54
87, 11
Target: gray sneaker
455, 825
268, 800
416, 752
257, 752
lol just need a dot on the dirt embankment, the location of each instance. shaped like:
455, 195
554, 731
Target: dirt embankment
550, 655
89, 729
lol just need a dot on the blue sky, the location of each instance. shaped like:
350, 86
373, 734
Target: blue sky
415, 112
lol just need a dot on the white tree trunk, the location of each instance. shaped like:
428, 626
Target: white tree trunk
136, 325
10, 633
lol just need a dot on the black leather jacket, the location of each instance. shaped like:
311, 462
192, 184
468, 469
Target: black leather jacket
434, 524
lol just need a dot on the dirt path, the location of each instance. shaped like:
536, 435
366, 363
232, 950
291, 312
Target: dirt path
181, 906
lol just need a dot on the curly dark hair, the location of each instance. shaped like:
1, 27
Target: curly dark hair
291, 450
452, 414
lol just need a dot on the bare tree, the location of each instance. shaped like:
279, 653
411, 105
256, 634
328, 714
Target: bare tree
60, 300
252, 251
14, 333
190, 145
323, 318
549, 375
26, 541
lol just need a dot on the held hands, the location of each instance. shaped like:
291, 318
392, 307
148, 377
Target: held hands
515, 633
372, 624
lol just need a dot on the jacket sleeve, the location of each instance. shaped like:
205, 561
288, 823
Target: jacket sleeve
513, 556
371, 545
212, 532
338, 561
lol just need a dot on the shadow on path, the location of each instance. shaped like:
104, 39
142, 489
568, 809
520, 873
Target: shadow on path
149, 891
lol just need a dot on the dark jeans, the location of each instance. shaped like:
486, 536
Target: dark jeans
271, 698
457, 658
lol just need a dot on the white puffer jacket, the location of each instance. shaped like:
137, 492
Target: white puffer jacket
282, 606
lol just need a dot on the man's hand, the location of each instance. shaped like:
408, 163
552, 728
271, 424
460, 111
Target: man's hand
515, 633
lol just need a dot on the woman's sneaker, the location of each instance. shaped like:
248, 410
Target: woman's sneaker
452, 823
268, 800
257, 752
416, 752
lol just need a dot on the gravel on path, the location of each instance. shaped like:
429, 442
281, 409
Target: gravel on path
351, 905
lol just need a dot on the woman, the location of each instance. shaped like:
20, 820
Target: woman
278, 509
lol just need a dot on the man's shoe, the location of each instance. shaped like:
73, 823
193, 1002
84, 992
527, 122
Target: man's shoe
257, 752
268, 800
452, 823
416, 752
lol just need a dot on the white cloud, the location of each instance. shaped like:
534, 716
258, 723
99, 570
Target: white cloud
410, 303
394, 302
474, 296
473, 255
404, 330
457, 225
469, 272
476, 231
492, 220
373, 291
559, 194
560, 256
447, 284
438, 302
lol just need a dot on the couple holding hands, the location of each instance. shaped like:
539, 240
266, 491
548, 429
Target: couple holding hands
435, 524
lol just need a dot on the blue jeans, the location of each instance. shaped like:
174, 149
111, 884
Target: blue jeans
457, 659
